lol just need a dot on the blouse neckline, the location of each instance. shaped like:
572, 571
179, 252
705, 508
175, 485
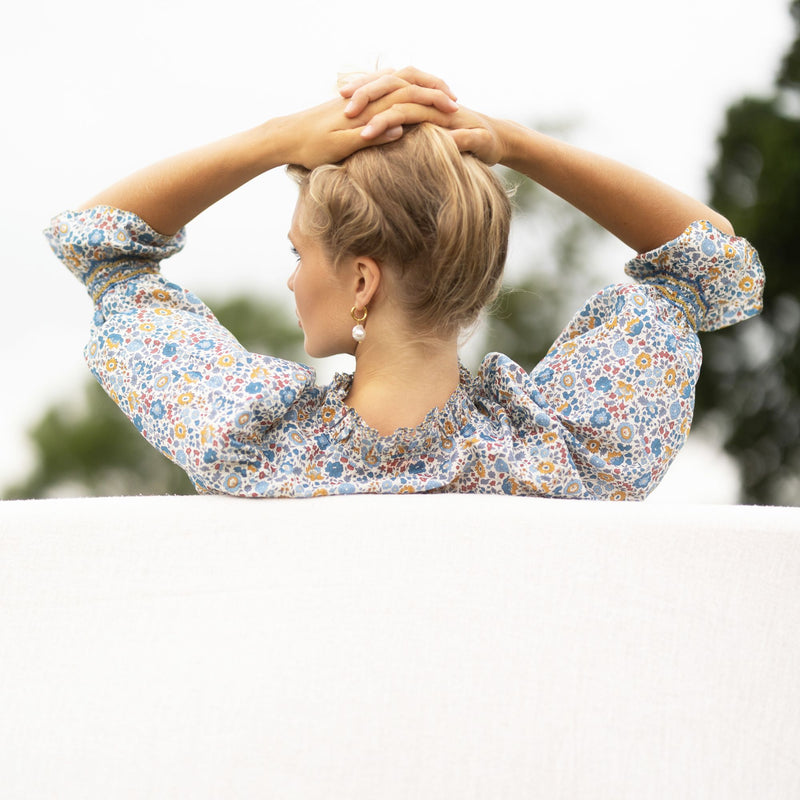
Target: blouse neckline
435, 431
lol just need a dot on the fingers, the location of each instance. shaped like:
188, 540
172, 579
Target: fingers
420, 88
401, 114
349, 83
416, 76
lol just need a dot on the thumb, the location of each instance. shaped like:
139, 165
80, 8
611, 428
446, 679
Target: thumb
477, 141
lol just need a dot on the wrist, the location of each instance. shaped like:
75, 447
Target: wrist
522, 147
269, 145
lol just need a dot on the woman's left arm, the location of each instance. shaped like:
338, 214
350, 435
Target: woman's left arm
638, 209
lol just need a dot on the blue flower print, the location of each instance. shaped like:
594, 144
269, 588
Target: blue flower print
335, 468
600, 418
603, 384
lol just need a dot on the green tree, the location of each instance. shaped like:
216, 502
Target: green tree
751, 373
87, 446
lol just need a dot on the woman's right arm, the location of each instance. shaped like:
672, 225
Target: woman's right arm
170, 193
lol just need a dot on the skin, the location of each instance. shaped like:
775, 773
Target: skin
399, 377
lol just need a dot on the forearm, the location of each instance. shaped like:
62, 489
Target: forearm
638, 209
170, 193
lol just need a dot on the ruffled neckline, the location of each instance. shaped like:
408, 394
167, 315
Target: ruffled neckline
435, 431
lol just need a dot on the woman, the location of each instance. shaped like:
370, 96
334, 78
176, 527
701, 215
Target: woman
400, 233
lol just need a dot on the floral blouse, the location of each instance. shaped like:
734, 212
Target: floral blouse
602, 416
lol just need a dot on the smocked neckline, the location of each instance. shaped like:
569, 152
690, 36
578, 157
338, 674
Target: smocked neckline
439, 424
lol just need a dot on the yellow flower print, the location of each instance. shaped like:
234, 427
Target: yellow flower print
111, 364
162, 312
632, 322
328, 414
226, 360
207, 434
185, 398
320, 493
625, 389
162, 381
592, 445
407, 489
161, 295
620, 494
313, 472
643, 360
746, 284
259, 373
669, 377
180, 431
546, 467
549, 437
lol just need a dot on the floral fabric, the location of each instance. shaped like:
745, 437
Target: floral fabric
602, 416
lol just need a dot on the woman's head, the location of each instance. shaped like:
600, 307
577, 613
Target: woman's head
436, 219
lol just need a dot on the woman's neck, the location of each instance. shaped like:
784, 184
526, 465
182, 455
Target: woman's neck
397, 383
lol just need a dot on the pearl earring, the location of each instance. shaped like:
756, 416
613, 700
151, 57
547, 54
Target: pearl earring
359, 334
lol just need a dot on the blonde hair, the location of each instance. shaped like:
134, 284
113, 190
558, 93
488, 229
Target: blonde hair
438, 217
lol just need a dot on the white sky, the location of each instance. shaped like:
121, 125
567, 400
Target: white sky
93, 90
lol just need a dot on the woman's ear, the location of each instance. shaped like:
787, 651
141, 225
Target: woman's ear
367, 274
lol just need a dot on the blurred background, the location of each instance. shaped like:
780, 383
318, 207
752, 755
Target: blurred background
704, 94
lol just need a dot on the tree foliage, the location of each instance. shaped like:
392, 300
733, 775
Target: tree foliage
751, 376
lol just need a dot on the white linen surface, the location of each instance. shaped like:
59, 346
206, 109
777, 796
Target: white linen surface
398, 647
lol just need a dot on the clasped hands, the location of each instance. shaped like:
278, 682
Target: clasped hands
373, 109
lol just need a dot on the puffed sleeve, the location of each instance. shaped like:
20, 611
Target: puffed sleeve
715, 278
183, 380
618, 384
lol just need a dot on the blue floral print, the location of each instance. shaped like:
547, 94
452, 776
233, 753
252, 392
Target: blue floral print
602, 416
